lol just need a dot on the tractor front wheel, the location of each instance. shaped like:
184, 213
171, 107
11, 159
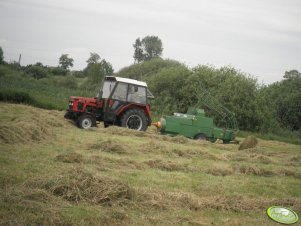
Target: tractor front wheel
86, 121
134, 119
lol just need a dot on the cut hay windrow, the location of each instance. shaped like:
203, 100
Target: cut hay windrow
28, 124
170, 200
79, 185
70, 157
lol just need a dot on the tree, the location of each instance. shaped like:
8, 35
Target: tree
96, 69
292, 74
138, 53
152, 46
107, 67
148, 48
65, 62
93, 59
1, 55
283, 100
104, 66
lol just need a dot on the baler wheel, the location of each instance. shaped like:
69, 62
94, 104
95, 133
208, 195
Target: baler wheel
200, 136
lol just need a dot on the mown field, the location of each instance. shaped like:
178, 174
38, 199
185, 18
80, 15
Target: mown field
53, 173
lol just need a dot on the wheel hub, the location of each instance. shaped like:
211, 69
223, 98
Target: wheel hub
134, 122
86, 123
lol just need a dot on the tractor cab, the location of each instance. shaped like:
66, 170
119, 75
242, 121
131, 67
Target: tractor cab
119, 101
123, 94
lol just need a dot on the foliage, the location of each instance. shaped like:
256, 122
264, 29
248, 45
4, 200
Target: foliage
284, 100
15, 97
1, 55
107, 67
78, 74
49, 92
167, 86
58, 71
93, 59
230, 87
148, 48
138, 53
147, 68
65, 81
65, 62
37, 72
95, 71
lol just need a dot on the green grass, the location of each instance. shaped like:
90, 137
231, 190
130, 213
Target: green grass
44, 93
173, 181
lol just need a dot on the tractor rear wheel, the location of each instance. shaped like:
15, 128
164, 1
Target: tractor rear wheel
134, 119
86, 121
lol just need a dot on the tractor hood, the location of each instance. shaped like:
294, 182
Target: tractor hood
82, 99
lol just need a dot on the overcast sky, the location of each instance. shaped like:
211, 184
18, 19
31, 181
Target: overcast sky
259, 37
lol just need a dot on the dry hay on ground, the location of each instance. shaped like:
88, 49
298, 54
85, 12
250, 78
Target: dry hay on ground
109, 145
106, 163
248, 142
79, 185
70, 157
171, 200
221, 169
126, 132
249, 157
166, 165
244, 169
30, 125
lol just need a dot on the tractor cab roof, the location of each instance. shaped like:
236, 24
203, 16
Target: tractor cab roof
125, 80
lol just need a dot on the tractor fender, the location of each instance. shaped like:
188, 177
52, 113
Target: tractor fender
145, 108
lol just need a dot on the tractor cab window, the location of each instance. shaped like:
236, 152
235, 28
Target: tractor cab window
137, 94
107, 88
120, 92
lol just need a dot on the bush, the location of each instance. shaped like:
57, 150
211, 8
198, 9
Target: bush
78, 74
37, 72
16, 97
95, 74
68, 82
58, 71
147, 68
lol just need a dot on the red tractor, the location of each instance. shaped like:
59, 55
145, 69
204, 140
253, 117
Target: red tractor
119, 101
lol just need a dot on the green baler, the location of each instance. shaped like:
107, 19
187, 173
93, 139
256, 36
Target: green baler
196, 125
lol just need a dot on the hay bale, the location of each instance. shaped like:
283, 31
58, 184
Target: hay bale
79, 185
249, 142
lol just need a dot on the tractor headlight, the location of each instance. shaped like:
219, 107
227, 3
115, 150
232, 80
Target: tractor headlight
70, 105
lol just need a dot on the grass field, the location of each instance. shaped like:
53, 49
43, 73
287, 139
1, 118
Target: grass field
53, 173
